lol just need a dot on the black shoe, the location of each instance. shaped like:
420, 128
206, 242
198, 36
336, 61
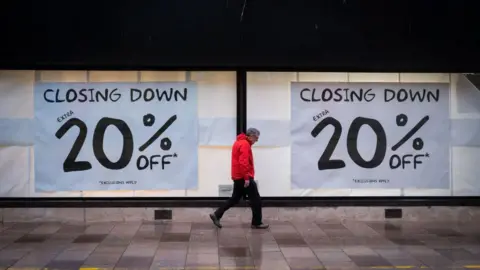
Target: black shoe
260, 226
215, 220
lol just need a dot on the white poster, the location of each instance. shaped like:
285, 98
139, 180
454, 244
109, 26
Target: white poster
115, 136
370, 135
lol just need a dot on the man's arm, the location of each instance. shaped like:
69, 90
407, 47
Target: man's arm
244, 161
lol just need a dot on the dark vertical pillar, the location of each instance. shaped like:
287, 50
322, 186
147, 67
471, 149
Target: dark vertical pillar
241, 101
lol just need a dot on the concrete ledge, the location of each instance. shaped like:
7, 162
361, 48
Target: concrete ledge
75, 215
43, 215
270, 202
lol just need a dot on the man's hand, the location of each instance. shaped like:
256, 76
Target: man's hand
247, 183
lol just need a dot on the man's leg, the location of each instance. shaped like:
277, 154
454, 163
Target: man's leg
237, 194
256, 206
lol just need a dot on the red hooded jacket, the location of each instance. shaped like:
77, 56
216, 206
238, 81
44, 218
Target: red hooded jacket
242, 159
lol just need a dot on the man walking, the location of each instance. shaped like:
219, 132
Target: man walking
243, 175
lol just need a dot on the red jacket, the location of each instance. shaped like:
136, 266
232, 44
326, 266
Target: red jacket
242, 159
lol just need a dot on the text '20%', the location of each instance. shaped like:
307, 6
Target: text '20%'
71, 164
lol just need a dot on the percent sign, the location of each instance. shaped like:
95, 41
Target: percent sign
71, 164
395, 160
144, 162
402, 120
165, 143
326, 163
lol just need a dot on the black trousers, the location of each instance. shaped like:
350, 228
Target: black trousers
239, 191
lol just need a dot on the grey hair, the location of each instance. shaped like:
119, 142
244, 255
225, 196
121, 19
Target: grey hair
253, 131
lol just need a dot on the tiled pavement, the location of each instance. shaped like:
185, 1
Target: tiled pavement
321, 245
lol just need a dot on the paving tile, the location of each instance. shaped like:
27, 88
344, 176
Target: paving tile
116, 240
90, 238
368, 261
263, 247
102, 260
201, 226
54, 246
330, 225
5, 263
147, 226
234, 252
325, 242
314, 237
179, 227
23, 226
359, 251
444, 232
405, 262
14, 254
149, 232
72, 229
62, 237
271, 260
393, 253
341, 266
82, 247
231, 233
297, 252
203, 247
143, 249
23, 247
472, 249
32, 238
292, 242
332, 256
457, 254
297, 245
230, 263
202, 260
8, 238
168, 264
109, 249
304, 263
435, 261
258, 239
99, 228
35, 259
233, 242
390, 227
47, 228
280, 229
125, 229
288, 239
338, 232
175, 255
406, 242
130, 262
175, 237
269, 256
65, 265
75, 255
204, 236
438, 243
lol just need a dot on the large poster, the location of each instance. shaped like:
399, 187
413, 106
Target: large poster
115, 136
370, 135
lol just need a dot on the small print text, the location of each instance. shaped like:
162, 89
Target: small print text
117, 182
371, 181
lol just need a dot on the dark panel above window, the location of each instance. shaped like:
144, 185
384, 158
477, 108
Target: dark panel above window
330, 35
